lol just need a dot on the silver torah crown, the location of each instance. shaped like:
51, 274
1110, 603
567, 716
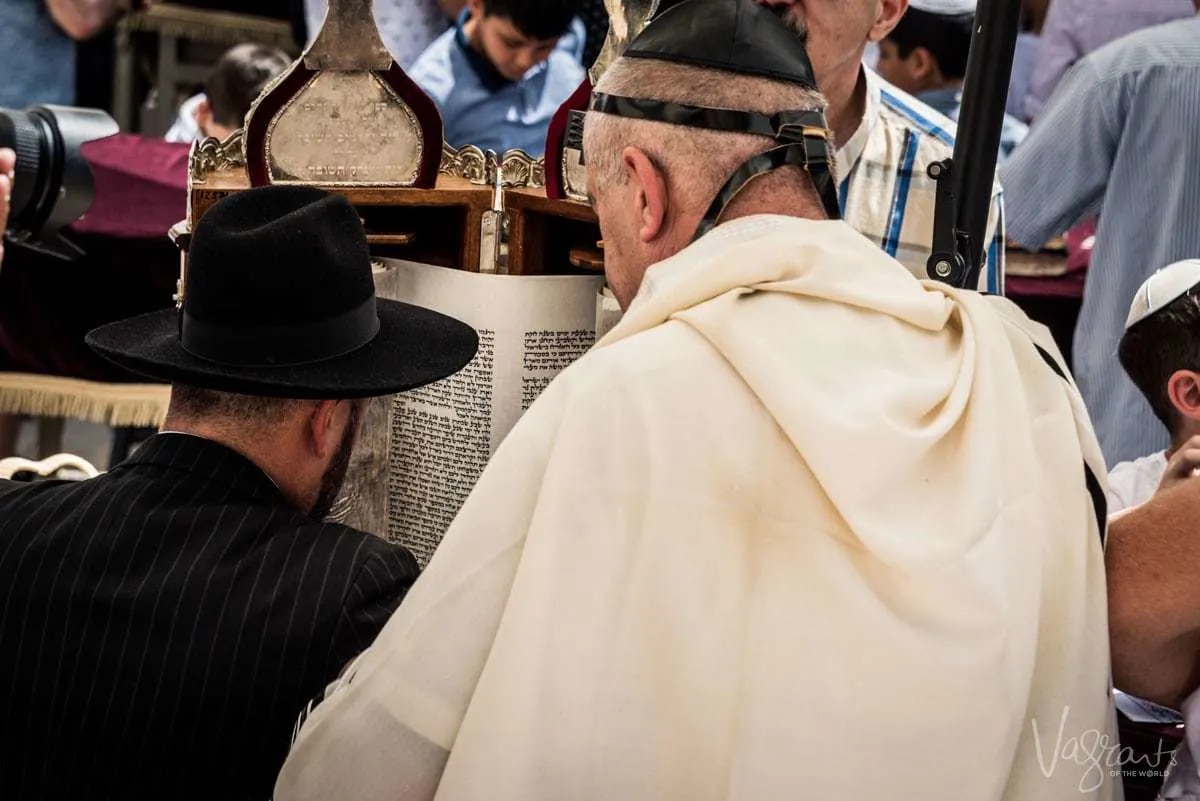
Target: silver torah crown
626, 19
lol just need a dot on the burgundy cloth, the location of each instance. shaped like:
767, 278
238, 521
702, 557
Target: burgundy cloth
1078, 242
141, 187
1063, 286
48, 305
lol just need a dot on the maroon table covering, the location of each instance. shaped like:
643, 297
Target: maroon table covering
141, 187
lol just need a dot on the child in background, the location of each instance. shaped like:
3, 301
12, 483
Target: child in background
1160, 352
236, 82
502, 71
926, 56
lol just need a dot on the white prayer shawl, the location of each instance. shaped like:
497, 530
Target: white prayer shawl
799, 527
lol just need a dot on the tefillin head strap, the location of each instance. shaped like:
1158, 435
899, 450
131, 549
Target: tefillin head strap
803, 136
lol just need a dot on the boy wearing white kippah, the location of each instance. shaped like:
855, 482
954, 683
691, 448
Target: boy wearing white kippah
926, 56
1160, 352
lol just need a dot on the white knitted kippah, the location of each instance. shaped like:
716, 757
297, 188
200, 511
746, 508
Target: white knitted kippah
1167, 285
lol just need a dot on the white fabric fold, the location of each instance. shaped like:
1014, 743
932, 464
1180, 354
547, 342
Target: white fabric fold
798, 527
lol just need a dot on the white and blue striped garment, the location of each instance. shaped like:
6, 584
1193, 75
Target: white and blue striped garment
1121, 136
886, 194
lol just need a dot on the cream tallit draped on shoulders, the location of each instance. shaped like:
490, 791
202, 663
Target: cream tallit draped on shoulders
799, 527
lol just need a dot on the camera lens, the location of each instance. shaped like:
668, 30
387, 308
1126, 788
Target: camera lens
33, 140
53, 184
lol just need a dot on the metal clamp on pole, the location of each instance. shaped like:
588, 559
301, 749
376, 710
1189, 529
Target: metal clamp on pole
964, 183
945, 263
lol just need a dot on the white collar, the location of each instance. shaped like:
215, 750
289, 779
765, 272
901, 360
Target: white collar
849, 154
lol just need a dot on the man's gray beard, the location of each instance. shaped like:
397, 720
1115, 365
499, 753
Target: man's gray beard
335, 475
794, 22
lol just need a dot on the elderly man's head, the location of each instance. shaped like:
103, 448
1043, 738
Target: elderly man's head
837, 31
303, 445
651, 183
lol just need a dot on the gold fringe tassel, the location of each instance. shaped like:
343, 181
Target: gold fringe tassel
116, 405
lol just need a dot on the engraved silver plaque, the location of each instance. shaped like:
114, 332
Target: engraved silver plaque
626, 19
574, 173
345, 129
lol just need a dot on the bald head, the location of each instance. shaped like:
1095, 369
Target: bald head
652, 182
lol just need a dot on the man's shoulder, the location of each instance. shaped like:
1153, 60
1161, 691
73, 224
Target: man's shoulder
1160, 50
903, 112
17, 491
434, 69
338, 540
668, 354
148, 497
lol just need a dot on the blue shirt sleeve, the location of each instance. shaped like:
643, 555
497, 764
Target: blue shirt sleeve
1059, 173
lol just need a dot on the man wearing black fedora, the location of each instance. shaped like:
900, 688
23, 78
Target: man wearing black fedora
161, 626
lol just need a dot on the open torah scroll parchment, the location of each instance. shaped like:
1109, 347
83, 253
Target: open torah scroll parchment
441, 436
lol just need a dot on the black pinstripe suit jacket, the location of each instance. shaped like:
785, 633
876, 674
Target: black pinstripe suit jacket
161, 626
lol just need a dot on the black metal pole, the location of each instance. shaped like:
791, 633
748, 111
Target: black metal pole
966, 185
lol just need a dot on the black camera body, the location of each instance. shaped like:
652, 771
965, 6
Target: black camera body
53, 184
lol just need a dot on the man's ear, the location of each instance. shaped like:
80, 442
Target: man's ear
1183, 388
648, 192
922, 64
887, 15
323, 435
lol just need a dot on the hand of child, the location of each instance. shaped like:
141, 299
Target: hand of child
1182, 465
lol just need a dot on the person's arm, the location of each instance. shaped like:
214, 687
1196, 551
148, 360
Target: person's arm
83, 19
1059, 173
384, 731
8, 162
1153, 558
378, 588
1058, 50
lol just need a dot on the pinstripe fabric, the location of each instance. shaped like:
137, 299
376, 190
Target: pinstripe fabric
161, 626
886, 193
1120, 136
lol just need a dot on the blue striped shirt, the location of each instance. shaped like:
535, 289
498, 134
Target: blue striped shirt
886, 193
949, 102
1120, 136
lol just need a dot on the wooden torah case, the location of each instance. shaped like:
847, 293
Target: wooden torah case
440, 225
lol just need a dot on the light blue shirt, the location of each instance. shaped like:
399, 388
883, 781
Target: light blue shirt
1121, 137
37, 60
949, 102
185, 130
480, 108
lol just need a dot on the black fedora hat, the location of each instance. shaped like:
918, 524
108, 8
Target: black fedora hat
280, 302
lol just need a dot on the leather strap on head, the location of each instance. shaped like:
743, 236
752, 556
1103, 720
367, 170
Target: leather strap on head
803, 136
794, 154
784, 125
